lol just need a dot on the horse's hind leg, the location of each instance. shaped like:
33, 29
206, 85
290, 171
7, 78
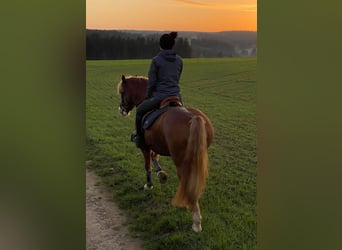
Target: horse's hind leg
196, 218
162, 175
149, 183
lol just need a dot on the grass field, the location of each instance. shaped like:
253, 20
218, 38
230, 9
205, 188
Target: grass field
224, 89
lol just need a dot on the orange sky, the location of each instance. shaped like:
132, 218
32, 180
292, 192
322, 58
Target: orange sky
178, 15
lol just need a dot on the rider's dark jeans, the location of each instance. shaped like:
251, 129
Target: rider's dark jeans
142, 109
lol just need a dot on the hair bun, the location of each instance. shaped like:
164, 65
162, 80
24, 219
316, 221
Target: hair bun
173, 35
167, 41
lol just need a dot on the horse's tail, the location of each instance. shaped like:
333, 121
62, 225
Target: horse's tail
194, 169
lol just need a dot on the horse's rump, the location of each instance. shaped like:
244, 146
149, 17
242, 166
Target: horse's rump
169, 133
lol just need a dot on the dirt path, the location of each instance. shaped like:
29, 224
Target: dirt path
105, 230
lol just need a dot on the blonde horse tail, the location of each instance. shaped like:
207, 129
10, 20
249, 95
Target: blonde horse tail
194, 170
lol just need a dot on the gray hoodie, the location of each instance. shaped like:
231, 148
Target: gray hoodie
164, 74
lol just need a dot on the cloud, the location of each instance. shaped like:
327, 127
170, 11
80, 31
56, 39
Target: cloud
195, 3
234, 5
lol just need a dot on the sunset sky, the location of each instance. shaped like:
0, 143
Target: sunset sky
167, 15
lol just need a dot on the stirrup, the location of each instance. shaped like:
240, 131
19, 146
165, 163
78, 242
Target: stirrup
134, 137
138, 140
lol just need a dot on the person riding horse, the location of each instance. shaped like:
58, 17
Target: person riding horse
183, 133
163, 81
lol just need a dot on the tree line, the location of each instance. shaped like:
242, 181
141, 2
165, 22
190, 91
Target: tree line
113, 44
116, 45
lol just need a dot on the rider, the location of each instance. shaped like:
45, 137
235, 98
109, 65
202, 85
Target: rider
163, 81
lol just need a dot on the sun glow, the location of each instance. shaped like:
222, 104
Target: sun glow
181, 15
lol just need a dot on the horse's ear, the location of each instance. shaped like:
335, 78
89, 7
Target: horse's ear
123, 80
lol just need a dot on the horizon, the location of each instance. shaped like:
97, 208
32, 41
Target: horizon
159, 31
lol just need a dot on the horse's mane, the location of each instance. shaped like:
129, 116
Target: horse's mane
119, 87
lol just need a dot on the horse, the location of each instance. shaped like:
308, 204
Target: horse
184, 134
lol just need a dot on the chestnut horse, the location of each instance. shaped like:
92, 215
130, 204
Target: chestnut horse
182, 133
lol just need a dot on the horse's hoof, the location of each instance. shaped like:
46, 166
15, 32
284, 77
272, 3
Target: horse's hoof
147, 187
197, 227
162, 176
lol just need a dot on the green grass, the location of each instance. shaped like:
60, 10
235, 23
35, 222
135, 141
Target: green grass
224, 89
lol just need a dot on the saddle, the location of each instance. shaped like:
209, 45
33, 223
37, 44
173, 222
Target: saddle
172, 101
150, 117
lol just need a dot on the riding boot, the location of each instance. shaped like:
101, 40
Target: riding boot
138, 138
142, 109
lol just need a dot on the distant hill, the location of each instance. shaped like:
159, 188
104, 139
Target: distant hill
223, 44
129, 44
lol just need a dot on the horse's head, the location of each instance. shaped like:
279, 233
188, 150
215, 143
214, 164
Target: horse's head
132, 90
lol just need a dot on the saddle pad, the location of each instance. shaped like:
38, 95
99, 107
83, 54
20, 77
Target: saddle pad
150, 118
